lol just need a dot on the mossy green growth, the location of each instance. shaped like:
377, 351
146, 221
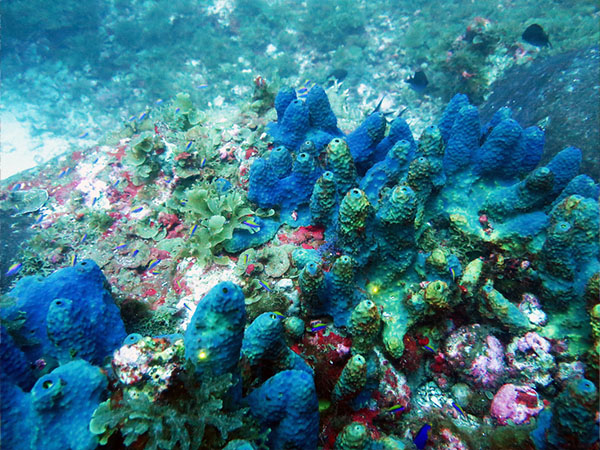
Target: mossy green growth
352, 379
353, 212
182, 114
213, 217
322, 200
341, 163
354, 436
182, 420
142, 156
431, 142
311, 282
365, 324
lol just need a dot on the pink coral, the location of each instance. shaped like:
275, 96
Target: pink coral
529, 358
478, 355
515, 403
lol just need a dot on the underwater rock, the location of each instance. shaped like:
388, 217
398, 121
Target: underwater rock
515, 403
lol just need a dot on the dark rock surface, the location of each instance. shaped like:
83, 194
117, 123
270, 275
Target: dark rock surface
566, 89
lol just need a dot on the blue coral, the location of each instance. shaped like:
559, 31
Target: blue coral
67, 315
287, 404
56, 413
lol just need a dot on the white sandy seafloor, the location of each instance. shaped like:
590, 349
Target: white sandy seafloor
20, 149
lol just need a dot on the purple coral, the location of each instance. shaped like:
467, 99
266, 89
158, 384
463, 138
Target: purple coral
479, 356
529, 357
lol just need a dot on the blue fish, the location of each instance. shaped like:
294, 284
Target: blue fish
185, 304
119, 247
135, 253
82, 240
395, 409
421, 438
203, 163
13, 269
159, 101
83, 135
94, 201
202, 86
265, 286
251, 224
193, 230
459, 409
317, 327
64, 172
16, 187
137, 210
428, 348
39, 218
453, 273
177, 110
116, 183
73, 260
153, 264
142, 116
189, 144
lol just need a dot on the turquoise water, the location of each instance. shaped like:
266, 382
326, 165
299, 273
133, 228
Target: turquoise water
150, 139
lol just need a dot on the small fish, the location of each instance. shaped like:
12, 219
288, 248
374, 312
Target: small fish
186, 306
131, 119
64, 172
137, 210
177, 110
202, 86
189, 144
303, 91
203, 163
82, 240
251, 223
135, 253
159, 101
39, 218
379, 104
453, 274
193, 230
94, 201
143, 116
154, 272
265, 286
428, 348
277, 313
318, 326
422, 436
73, 260
153, 264
418, 81
459, 409
395, 408
16, 187
116, 183
119, 247
83, 135
246, 259
13, 269
535, 35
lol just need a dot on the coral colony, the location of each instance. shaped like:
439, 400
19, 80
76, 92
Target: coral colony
291, 286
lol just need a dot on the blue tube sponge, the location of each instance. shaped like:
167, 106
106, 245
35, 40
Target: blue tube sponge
60, 404
265, 349
284, 97
463, 140
14, 366
364, 139
495, 153
290, 131
213, 339
320, 113
528, 152
389, 171
399, 130
450, 114
65, 334
580, 185
565, 166
287, 404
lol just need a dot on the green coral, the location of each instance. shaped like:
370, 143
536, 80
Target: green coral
365, 324
341, 163
142, 155
184, 420
322, 200
352, 379
354, 436
353, 212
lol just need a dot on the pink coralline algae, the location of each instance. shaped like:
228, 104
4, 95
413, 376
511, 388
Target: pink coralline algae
515, 403
155, 360
479, 356
529, 359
